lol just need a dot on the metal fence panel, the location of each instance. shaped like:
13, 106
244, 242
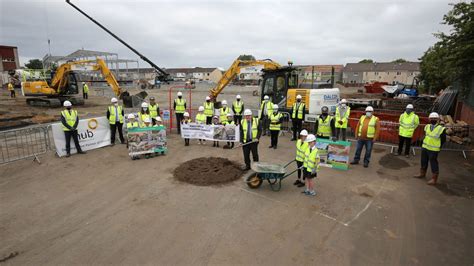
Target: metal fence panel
17, 144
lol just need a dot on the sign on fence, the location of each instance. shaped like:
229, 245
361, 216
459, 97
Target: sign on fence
334, 154
211, 132
146, 140
93, 133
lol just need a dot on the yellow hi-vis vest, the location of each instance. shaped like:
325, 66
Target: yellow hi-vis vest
132, 124
344, 118
209, 109
142, 118
324, 127
408, 124
10, 86
153, 109
301, 148
227, 122
269, 107
238, 107
244, 124
179, 105
112, 117
85, 88
201, 118
70, 118
370, 129
297, 109
432, 140
275, 118
223, 114
311, 159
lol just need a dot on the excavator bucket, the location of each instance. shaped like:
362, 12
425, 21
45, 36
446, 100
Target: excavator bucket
133, 100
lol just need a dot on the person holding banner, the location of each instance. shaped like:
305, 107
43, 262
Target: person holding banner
143, 114
265, 110
215, 121
223, 112
237, 108
69, 121
342, 117
310, 165
179, 107
201, 119
276, 118
208, 110
301, 147
132, 123
186, 120
324, 127
115, 115
249, 137
229, 121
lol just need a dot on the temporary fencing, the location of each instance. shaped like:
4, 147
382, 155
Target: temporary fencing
17, 144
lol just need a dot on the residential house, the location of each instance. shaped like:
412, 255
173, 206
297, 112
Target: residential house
211, 74
361, 73
320, 73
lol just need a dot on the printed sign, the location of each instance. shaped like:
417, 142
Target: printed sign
146, 140
93, 133
166, 114
334, 154
210, 132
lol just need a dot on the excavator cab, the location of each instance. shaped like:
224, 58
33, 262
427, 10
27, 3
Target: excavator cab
276, 83
72, 87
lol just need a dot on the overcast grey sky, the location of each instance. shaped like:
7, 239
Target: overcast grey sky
214, 33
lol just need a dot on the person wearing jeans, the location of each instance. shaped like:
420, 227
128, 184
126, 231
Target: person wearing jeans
367, 131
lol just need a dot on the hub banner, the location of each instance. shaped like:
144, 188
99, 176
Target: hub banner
211, 132
93, 133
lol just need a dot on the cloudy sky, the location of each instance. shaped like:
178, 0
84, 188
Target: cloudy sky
213, 33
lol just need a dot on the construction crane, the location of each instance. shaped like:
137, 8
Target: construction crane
162, 75
64, 84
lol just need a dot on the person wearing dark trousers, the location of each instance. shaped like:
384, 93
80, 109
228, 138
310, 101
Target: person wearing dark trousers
115, 115
70, 121
238, 108
367, 132
297, 116
215, 121
341, 119
325, 127
12, 90
435, 137
179, 107
265, 110
249, 137
276, 118
408, 121
85, 91
301, 146
186, 120
208, 110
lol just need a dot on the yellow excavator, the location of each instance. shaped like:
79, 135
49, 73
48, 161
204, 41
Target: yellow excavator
64, 85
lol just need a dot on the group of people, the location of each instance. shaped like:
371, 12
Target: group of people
268, 122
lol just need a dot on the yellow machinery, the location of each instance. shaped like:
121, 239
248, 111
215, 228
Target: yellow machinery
64, 84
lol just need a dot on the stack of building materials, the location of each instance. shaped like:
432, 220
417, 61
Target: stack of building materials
457, 132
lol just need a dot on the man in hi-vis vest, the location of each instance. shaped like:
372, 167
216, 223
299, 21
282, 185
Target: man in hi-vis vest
70, 121
342, 118
250, 133
297, 116
409, 121
366, 131
179, 109
115, 115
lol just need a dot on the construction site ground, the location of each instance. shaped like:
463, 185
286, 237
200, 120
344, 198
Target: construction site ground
104, 208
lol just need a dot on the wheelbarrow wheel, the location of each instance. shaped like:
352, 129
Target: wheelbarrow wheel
253, 180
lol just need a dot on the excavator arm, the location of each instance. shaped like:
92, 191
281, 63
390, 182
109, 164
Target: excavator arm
235, 68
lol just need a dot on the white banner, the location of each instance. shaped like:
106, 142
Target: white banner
229, 133
93, 133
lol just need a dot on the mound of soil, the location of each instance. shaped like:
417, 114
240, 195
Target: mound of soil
393, 162
208, 171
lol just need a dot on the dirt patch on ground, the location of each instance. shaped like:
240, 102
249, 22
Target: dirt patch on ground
393, 162
206, 171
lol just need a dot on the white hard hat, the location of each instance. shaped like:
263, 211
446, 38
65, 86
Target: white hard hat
186, 114
434, 115
275, 106
201, 108
147, 120
208, 98
215, 117
369, 109
343, 101
83, 82
113, 100
298, 96
310, 138
158, 119
144, 105
130, 116
180, 93
266, 97
248, 112
229, 114
237, 97
224, 102
410, 106
304, 132
67, 104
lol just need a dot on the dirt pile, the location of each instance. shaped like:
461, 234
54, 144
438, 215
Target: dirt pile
207, 171
393, 162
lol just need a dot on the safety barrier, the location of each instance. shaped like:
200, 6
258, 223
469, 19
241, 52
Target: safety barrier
24, 143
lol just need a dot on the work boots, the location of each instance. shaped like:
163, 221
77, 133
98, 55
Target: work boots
422, 174
434, 179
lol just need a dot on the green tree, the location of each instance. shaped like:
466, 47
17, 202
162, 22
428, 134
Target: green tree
399, 60
366, 61
34, 64
246, 57
451, 59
